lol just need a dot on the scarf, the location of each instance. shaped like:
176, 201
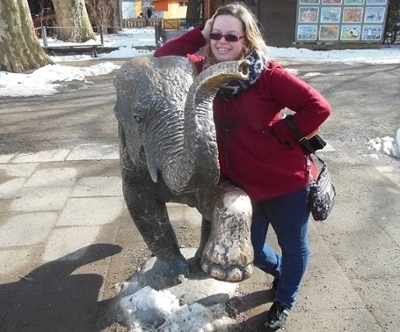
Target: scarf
234, 88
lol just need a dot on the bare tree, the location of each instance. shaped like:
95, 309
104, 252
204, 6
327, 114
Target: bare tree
103, 12
393, 17
19, 47
73, 23
193, 11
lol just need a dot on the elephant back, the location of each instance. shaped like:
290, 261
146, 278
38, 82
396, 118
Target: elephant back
148, 75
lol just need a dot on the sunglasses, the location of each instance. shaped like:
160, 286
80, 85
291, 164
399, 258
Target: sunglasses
228, 38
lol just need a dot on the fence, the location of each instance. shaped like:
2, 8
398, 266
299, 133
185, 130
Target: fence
171, 24
139, 22
166, 24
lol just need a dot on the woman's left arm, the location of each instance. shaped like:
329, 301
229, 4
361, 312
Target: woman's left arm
310, 106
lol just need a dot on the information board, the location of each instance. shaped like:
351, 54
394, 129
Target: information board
340, 21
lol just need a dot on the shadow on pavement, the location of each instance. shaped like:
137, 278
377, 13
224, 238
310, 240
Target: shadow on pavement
256, 304
52, 298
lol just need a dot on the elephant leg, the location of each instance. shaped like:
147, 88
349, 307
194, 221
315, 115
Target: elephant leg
228, 254
205, 235
150, 216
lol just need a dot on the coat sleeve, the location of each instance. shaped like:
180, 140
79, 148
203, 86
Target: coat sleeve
310, 107
187, 44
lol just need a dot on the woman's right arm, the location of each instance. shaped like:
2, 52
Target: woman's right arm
188, 43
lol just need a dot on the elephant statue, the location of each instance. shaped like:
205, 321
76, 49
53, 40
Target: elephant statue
168, 153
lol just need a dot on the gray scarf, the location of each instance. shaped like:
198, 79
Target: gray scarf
234, 88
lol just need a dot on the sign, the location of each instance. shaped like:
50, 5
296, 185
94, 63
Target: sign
340, 21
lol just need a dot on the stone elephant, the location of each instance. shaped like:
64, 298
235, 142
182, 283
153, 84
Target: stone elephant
168, 153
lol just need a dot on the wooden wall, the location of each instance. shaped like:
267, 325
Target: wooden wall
277, 18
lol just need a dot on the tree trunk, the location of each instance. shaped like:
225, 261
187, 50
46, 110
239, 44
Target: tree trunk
19, 46
73, 21
103, 12
193, 11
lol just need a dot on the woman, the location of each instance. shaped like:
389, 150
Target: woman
257, 151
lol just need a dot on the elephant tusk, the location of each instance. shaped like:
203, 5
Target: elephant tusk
153, 173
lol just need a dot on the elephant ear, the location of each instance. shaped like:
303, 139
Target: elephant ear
163, 126
151, 93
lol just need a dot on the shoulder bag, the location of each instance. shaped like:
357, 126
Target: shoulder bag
322, 192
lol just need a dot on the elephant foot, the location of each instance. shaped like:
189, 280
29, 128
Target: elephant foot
228, 254
170, 273
232, 274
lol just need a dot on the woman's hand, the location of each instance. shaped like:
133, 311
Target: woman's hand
207, 28
315, 132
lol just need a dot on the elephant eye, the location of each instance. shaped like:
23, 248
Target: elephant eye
138, 118
137, 113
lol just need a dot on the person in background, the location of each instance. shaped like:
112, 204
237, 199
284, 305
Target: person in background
257, 151
149, 12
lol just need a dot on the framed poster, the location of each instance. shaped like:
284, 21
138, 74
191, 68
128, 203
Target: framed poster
340, 21
376, 2
307, 32
350, 32
372, 32
329, 32
331, 2
374, 14
354, 2
330, 14
308, 14
352, 14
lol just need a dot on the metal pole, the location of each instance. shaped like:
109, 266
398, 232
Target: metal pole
101, 34
44, 36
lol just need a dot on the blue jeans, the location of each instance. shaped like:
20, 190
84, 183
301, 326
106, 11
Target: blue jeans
288, 215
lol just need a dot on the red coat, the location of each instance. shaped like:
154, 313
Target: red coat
257, 151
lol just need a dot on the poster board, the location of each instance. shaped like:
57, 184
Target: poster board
340, 21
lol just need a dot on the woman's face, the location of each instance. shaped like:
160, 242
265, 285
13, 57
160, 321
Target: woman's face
222, 49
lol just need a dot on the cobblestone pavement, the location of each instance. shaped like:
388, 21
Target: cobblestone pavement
66, 241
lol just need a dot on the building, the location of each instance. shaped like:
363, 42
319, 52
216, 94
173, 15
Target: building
171, 8
316, 24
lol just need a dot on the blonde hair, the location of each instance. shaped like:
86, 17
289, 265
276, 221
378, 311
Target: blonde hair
254, 38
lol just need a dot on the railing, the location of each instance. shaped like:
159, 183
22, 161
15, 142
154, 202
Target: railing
139, 22
44, 35
153, 21
46, 18
166, 23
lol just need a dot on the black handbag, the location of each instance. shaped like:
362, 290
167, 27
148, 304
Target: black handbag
321, 196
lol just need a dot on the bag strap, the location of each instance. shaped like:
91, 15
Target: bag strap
301, 138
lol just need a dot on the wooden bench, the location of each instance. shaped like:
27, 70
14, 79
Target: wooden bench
76, 49
93, 49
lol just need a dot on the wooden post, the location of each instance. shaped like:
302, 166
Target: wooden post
208, 10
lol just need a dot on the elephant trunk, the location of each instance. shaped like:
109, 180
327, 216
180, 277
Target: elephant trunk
198, 165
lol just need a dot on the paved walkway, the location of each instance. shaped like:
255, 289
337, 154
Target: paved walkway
62, 206
45, 200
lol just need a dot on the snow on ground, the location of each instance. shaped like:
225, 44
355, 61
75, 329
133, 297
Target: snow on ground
130, 42
152, 310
